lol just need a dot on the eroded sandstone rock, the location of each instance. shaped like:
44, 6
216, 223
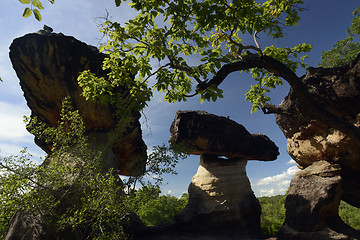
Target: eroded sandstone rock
202, 132
308, 140
313, 143
220, 196
312, 204
222, 205
221, 202
48, 67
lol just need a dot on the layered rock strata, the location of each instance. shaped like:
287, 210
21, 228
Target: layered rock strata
310, 141
221, 202
202, 133
220, 197
48, 66
312, 204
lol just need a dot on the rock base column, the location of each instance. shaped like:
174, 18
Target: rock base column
221, 199
312, 204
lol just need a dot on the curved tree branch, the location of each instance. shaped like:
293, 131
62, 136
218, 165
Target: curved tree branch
307, 104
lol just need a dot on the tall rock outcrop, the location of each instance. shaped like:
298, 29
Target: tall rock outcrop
221, 202
47, 66
311, 142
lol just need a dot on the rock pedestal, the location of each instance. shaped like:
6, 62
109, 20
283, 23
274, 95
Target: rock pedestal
48, 67
312, 205
220, 197
222, 205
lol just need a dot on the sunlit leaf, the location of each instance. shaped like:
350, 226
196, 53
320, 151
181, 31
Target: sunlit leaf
25, 1
27, 12
37, 15
38, 4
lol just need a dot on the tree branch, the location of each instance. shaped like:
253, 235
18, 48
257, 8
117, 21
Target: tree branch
268, 108
307, 105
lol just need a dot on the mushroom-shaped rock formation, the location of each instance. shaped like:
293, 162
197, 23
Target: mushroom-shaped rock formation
48, 67
309, 141
220, 195
221, 203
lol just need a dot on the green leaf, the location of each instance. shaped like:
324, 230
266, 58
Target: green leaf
27, 12
117, 3
38, 4
37, 15
217, 64
25, 1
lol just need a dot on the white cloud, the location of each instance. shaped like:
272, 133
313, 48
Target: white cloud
267, 192
14, 149
12, 127
277, 184
291, 162
280, 178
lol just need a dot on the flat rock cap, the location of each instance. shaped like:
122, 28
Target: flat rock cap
204, 133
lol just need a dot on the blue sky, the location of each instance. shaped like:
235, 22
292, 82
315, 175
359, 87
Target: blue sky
322, 24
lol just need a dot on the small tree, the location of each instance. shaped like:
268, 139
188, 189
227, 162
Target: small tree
161, 209
346, 50
70, 191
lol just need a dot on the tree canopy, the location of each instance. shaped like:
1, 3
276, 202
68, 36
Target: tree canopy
201, 42
344, 51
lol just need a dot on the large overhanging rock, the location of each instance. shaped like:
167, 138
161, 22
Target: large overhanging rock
221, 202
202, 132
312, 144
48, 66
308, 140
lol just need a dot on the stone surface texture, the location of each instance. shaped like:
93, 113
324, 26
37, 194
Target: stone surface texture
311, 142
202, 132
312, 204
48, 66
220, 195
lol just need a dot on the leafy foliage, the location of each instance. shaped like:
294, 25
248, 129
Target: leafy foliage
15, 183
273, 214
71, 190
345, 50
161, 209
176, 33
350, 215
33, 7
153, 208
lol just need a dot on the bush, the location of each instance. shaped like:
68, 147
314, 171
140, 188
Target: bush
161, 210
